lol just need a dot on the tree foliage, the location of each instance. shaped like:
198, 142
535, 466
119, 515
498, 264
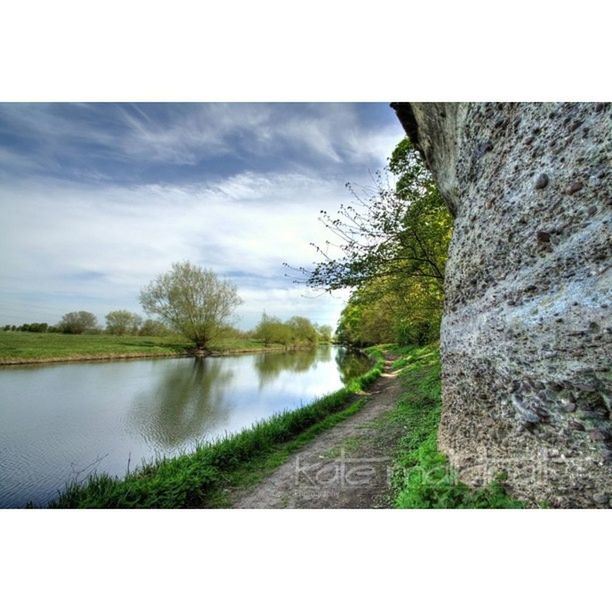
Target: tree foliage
192, 300
400, 230
271, 330
302, 330
121, 322
152, 327
325, 332
393, 244
37, 328
295, 331
78, 322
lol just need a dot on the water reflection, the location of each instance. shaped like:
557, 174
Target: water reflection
188, 398
270, 365
350, 364
325, 353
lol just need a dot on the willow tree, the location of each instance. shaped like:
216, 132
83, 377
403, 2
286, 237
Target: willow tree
193, 301
121, 322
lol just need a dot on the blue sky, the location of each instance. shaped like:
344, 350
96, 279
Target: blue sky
97, 199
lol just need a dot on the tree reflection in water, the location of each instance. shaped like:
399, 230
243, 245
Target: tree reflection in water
188, 400
269, 365
193, 397
351, 364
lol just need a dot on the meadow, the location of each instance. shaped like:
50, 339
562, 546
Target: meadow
26, 347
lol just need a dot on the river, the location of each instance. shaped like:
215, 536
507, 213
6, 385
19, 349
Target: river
59, 423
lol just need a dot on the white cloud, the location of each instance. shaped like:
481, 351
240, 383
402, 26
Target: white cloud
73, 242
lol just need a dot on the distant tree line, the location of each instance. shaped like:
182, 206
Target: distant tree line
118, 323
38, 328
294, 331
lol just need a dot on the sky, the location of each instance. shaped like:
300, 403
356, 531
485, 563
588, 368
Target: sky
96, 200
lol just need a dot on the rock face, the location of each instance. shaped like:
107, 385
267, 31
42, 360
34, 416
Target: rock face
526, 335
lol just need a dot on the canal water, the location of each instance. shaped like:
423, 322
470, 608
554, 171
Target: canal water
60, 423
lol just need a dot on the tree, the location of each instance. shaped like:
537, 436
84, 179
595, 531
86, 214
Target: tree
283, 334
302, 330
151, 327
268, 329
387, 310
78, 322
403, 230
121, 322
192, 300
393, 248
297, 330
37, 328
325, 332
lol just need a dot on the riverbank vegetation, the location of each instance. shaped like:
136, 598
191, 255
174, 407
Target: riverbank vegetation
294, 331
194, 309
118, 323
422, 476
202, 478
393, 241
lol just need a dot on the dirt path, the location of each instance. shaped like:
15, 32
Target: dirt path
345, 467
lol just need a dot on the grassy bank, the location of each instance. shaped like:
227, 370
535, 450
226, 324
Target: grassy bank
422, 475
202, 478
26, 347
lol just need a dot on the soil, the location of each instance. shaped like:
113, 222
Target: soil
347, 466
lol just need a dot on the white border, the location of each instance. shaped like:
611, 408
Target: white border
322, 50
305, 560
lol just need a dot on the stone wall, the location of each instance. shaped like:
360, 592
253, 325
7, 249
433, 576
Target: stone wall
526, 335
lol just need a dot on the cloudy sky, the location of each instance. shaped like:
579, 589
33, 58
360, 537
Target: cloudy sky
97, 199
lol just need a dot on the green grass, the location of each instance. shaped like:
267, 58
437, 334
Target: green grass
422, 477
203, 478
26, 347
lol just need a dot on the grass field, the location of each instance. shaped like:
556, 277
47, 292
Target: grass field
26, 347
